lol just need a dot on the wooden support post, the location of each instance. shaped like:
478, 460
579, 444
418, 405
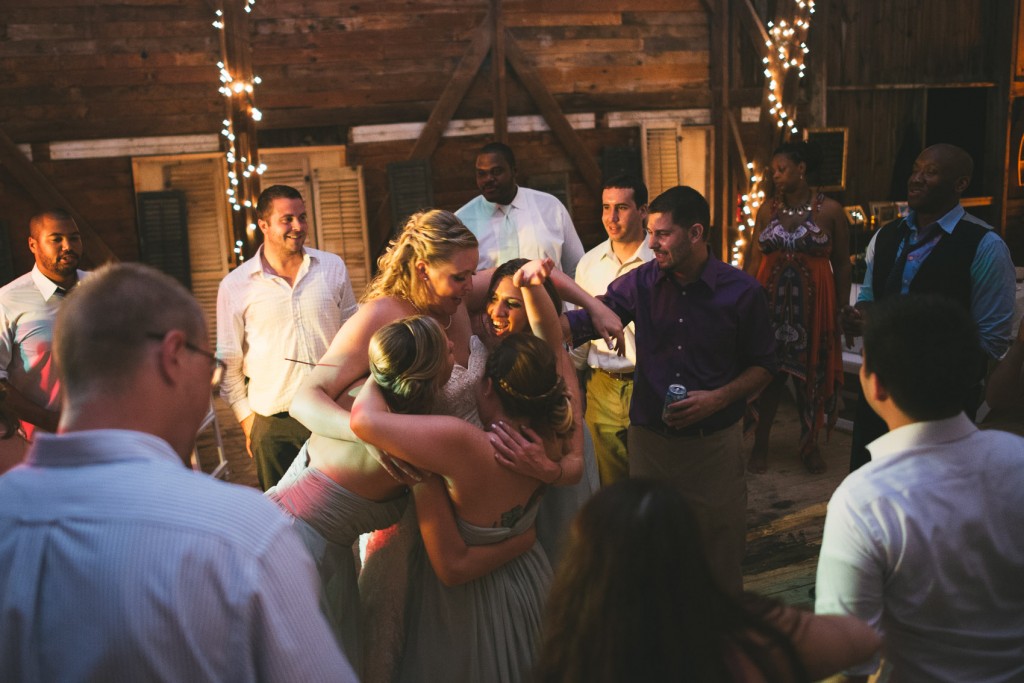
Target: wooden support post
556, 120
500, 69
447, 103
47, 196
454, 92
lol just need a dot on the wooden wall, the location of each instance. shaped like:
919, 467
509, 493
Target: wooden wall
885, 67
99, 69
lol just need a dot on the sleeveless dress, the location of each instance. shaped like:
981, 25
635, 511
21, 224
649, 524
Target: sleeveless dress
797, 275
484, 631
329, 518
560, 503
384, 583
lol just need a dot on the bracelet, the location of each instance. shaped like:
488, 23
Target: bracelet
560, 472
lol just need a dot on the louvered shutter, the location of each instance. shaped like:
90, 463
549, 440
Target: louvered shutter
163, 233
341, 214
202, 182
410, 188
661, 159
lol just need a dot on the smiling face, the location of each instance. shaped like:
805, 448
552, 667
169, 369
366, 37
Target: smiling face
495, 179
623, 220
505, 310
936, 182
448, 283
57, 247
284, 230
675, 249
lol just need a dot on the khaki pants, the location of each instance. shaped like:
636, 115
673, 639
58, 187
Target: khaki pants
608, 418
709, 472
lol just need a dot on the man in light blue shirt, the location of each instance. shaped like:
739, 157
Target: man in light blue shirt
120, 564
938, 248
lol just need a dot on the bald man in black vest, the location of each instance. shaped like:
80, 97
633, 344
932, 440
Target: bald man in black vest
938, 248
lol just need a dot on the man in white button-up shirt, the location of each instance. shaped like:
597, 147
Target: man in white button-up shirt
276, 316
924, 542
118, 562
28, 306
516, 222
610, 387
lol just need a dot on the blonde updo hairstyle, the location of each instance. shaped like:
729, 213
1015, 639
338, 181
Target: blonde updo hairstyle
433, 236
407, 358
524, 373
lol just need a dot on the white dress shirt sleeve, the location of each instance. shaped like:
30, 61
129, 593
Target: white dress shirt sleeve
230, 335
288, 622
850, 577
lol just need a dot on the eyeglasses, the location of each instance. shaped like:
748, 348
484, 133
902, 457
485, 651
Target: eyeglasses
216, 363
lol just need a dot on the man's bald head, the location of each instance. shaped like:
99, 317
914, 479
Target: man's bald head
941, 174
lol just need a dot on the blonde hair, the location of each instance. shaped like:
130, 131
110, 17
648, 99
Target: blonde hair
525, 375
406, 360
433, 236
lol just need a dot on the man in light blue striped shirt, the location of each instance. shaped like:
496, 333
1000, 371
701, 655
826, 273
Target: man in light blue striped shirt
117, 562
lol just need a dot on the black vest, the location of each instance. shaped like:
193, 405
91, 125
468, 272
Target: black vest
946, 270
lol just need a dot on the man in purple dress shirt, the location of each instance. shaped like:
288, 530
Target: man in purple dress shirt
703, 324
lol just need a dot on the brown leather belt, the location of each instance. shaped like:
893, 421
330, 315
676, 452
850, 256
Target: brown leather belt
621, 376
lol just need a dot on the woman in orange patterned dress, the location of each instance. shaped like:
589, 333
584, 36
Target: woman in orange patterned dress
800, 253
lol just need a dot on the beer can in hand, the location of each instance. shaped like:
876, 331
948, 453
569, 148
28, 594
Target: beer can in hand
676, 392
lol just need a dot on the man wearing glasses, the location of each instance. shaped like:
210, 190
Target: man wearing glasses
276, 315
120, 563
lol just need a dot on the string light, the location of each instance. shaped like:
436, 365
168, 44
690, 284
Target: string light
786, 48
239, 133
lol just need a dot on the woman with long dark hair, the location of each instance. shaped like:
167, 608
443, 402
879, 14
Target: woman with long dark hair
634, 600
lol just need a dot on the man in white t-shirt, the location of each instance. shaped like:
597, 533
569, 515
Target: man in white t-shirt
511, 221
610, 387
276, 315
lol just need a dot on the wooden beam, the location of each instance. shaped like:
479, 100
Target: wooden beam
500, 67
756, 30
47, 196
454, 92
450, 99
552, 113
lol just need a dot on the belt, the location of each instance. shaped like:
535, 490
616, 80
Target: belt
688, 432
620, 376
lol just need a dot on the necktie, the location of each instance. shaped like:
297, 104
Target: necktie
60, 292
508, 238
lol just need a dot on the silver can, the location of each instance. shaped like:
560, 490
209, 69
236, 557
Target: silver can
676, 392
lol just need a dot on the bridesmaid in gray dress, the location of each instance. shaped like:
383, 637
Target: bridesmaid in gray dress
482, 629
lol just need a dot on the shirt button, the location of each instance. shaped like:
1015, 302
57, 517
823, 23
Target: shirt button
680, 348
677, 374
680, 320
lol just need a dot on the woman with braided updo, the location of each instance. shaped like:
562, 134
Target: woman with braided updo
483, 629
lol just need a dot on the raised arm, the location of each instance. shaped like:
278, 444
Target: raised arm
425, 441
540, 309
453, 561
346, 361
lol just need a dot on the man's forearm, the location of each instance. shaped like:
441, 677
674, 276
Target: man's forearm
23, 409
